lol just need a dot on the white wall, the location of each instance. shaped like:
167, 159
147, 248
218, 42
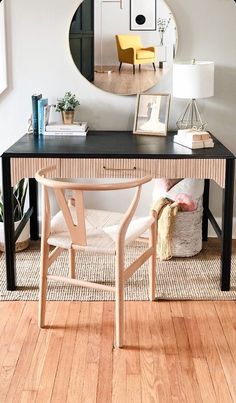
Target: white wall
39, 60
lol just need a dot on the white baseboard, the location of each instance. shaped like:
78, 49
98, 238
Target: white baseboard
211, 232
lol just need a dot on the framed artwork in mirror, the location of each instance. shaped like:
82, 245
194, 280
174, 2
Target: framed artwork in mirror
3, 62
118, 45
152, 114
143, 15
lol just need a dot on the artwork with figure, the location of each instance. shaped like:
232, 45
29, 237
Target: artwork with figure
152, 113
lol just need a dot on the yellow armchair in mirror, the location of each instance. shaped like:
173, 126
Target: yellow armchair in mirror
130, 50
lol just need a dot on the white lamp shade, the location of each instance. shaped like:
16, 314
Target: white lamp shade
193, 80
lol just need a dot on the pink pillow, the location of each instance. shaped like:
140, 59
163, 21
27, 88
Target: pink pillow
185, 202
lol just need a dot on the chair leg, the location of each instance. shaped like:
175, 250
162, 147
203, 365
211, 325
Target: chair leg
72, 263
133, 68
139, 67
120, 66
152, 262
119, 303
43, 283
154, 66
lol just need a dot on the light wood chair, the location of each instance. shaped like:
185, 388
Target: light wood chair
76, 228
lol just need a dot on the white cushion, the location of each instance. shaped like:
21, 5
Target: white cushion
136, 228
101, 230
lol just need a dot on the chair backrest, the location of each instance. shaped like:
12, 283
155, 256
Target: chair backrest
77, 229
128, 41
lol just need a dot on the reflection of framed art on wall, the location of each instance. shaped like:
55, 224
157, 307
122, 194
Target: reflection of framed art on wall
143, 15
3, 66
152, 113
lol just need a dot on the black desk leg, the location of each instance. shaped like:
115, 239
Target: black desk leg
205, 209
8, 224
227, 226
33, 200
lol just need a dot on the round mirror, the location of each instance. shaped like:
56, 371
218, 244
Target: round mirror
123, 46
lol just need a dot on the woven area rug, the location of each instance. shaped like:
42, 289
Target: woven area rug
196, 278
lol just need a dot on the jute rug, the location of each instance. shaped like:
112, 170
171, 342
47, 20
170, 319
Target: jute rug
196, 278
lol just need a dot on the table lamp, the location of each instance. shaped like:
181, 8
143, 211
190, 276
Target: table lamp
193, 80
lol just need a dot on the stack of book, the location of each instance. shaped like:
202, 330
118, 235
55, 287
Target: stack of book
194, 139
40, 113
74, 129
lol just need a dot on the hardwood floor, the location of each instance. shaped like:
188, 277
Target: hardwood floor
125, 82
174, 352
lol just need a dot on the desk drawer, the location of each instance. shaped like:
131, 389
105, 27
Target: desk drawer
108, 168
136, 168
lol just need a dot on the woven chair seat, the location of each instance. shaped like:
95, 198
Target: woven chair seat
101, 230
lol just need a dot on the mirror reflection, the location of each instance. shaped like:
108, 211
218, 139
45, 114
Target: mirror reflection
123, 46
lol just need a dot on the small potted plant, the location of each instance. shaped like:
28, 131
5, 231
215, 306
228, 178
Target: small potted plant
19, 195
66, 106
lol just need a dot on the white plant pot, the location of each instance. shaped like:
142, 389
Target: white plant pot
23, 240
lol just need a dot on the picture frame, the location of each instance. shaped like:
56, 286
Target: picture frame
143, 15
152, 114
3, 59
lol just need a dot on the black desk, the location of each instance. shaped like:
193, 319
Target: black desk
117, 154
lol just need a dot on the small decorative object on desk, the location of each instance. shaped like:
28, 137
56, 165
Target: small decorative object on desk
74, 129
163, 24
152, 113
192, 138
66, 106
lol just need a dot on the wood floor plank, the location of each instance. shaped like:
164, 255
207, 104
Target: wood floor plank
93, 354
32, 380
132, 339
186, 361
176, 309
26, 344
172, 360
104, 389
211, 354
28, 396
9, 327
146, 355
53, 353
192, 330
62, 378
167, 328
222, 346
162, 384
119, 378
204, 380
75, 388
228, 325
133, 388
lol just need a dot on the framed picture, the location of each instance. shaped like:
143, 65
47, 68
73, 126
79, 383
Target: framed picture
143, 15
152, 114
3, 62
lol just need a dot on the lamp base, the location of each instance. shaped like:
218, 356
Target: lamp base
191, 118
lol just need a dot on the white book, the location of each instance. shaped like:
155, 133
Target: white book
66, 133
189, 143
194, 135
74, 127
